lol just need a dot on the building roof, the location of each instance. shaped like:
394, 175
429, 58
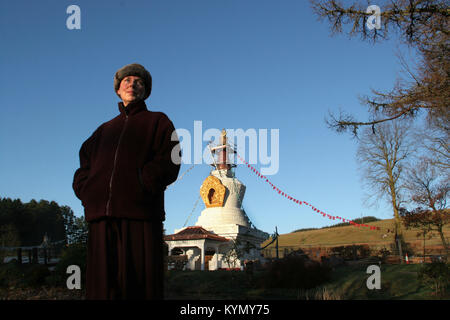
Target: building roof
194, 233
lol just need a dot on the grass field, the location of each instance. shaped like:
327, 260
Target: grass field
398, 282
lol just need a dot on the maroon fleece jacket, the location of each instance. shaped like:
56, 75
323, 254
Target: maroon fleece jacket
125, 165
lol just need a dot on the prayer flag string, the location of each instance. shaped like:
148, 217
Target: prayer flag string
300, 202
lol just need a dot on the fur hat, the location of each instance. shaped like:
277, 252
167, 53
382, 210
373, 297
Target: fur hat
137, 70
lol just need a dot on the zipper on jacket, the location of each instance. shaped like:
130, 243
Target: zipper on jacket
114, 166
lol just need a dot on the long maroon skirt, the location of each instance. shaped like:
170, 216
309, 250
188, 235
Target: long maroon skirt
125, 260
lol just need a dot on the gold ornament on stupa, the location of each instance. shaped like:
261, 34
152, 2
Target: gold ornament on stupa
212, 192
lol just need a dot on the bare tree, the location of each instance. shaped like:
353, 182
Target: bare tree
382, 156
422, 25
429, 189
233, 253
435, 144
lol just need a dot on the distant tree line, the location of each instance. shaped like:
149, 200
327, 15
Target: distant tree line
343, 224
25, 224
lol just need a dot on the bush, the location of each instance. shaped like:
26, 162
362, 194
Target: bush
10, 273
436, 275
352, 252
75, 254
383, 254
35, 275
25, 275
296, 272
55, 280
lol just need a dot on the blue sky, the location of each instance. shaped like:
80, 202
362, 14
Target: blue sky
230, 64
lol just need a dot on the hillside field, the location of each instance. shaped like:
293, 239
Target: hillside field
348, 235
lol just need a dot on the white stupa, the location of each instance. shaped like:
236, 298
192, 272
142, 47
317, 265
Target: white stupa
232, 239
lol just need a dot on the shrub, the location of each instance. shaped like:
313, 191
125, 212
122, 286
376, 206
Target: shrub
383, 254
436, 275
295, 272
363, 251
10, 273
75, 254
35, 275
352, 251
55, 280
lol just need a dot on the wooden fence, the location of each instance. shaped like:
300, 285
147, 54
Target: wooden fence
32, 254
358, 252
